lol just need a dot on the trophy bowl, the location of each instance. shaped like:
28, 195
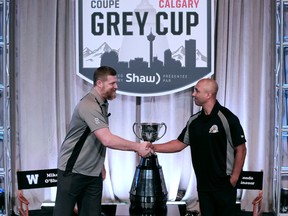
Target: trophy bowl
149, 131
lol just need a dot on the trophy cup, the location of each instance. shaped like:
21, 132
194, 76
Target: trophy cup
148, 194
149, 131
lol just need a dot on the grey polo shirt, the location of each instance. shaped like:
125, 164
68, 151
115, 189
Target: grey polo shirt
85, 154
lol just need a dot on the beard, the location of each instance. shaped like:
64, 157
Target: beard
110, 95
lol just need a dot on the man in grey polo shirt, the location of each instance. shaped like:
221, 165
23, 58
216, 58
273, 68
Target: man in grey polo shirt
82, 154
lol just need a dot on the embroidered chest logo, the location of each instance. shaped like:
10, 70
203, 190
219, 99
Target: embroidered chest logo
214, 129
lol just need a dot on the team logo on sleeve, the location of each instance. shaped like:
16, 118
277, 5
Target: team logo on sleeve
97, 121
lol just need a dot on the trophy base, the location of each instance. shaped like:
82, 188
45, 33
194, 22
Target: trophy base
148, 194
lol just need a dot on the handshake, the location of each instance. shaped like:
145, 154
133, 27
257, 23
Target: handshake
145, 149
149, 132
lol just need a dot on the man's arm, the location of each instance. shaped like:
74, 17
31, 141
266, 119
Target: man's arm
115, 142
240, 154
169, 147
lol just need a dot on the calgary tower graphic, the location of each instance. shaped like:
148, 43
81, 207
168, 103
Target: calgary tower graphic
151, 38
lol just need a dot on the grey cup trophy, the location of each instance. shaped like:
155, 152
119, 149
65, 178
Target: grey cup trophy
149, 131
148, 194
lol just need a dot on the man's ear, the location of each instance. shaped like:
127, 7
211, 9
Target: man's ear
209, 94
99, 83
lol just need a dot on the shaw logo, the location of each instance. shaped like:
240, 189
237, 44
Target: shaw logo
32, 179
132, 77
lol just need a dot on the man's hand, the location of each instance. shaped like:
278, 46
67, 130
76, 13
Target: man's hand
103, 173
145, 149
233, 180
150, 146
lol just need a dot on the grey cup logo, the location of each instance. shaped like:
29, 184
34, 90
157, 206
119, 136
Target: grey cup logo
155, 48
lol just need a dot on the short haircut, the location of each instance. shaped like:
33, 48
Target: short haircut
102, 72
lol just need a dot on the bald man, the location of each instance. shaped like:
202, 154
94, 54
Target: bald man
217, 142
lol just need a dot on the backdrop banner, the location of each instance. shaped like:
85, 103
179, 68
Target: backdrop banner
157, 47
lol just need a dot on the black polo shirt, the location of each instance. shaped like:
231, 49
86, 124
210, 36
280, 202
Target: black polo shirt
212, 139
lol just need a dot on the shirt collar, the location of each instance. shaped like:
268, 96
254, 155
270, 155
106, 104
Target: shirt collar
214, 111
98, 99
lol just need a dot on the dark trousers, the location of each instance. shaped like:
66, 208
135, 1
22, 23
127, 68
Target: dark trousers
216, 203
85, 191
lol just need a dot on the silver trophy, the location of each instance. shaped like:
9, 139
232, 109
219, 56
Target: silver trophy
149, 131
148, 194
